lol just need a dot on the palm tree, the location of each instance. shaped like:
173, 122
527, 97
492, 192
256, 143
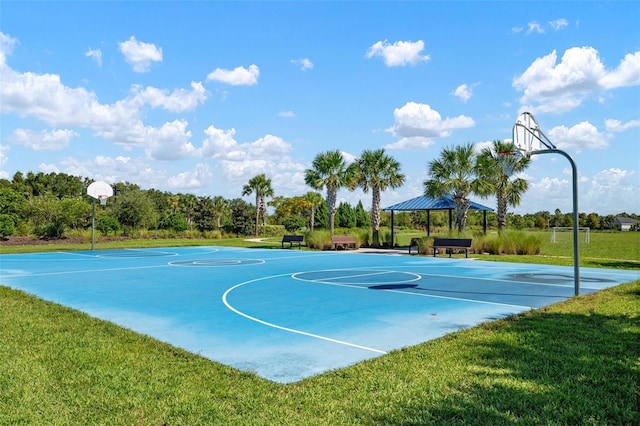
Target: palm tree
314, 200
455, 173
219, 208
329, 170
376, 171
498, 164
262, 187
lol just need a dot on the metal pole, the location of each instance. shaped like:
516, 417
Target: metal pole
93, 222
576, 250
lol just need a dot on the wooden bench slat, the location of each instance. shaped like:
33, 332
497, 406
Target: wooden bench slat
342, 240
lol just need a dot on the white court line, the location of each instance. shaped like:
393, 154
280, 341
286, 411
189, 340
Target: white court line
460, 299
568, 285
85, 271
291, 330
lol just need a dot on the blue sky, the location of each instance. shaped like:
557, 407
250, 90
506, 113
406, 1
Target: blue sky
199, 97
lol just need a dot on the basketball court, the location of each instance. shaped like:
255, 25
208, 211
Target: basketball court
290, 314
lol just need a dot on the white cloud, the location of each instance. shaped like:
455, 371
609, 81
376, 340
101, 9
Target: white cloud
96, 55
239, 76
4, 149
180, 100
45, 97
611, 191
304, 63
582, 136
169, 142
200, 177
415, 142
399, 53
140, 55
120, 168
414, 119
268, 146
239, 162
44, 140
48, 168
464, 92
549, 86
348, 157
534, 27
218, 143
287, 114
627, 73
6, 46
550, 193
617, 126
558, 24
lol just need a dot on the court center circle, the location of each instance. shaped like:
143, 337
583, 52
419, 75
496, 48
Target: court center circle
210, 263
357, 277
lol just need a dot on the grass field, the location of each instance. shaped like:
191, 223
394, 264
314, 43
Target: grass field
571, 363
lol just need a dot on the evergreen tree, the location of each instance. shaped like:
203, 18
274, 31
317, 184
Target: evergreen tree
363, 220
346, 216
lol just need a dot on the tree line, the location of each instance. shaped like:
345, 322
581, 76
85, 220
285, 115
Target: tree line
47, 205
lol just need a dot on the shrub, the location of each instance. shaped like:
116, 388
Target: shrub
7, 226
293, 223
272, 230
493, 245
425, 245
530, 244
362, 237
319, 240
108, 225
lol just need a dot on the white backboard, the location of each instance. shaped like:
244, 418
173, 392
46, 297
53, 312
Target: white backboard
100, 190
526, 134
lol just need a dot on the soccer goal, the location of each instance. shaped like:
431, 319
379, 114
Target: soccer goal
587, 232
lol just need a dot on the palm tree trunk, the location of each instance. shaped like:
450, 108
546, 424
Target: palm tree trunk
461, 206
501, 214
313, 217
331, 203
375, 216
257, 212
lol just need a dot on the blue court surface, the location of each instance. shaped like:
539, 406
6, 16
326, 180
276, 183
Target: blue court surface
290, 314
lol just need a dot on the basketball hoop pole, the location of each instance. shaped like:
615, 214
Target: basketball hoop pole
93, 222
551, 149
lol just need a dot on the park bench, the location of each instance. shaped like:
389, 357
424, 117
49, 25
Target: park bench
343, 241
292, 239
451, 244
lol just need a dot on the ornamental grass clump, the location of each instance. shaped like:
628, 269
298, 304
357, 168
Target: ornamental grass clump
319, 240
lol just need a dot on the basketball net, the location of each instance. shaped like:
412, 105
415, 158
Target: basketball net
102, 199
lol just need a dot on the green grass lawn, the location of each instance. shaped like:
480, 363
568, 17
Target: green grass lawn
572, 363
575, 362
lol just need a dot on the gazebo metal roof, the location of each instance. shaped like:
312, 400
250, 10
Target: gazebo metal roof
443, 203
425, 203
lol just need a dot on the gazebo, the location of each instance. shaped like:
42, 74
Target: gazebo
425, 203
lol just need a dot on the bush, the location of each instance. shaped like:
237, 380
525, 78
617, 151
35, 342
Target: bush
512, 242
7, 226
108, 225
272, 230
319, 240
293, 223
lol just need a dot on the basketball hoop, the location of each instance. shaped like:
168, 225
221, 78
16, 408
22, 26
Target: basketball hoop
508, 153
98, 191
530, 140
